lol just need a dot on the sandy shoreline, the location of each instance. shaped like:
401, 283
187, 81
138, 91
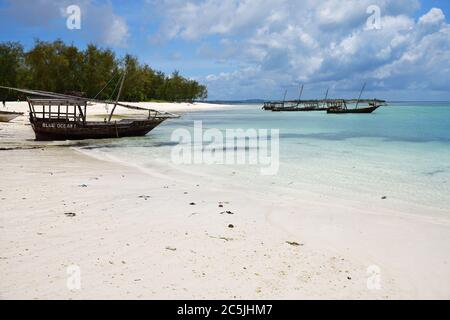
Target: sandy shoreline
98, 110
135, 235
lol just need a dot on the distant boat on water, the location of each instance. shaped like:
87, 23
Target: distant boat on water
64, 117
297, 105
342, 108
337, 106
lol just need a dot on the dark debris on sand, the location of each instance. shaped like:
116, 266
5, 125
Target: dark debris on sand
70, 214
293, 243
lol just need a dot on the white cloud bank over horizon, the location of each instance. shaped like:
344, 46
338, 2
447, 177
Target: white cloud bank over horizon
281, 43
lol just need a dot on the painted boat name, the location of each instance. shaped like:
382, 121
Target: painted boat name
58, 125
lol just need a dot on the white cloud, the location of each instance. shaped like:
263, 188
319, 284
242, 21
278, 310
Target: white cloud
117, 34
194, 19
103, 25
434, 16
281, 43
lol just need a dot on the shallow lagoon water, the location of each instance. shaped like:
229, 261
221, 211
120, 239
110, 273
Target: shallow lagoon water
400, 152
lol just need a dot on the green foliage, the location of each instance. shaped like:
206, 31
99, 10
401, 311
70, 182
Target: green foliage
57, 67
12, 70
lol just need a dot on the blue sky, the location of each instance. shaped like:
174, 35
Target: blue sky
257, 48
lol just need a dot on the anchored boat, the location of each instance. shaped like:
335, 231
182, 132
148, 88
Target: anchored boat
297, 105
338, 106
341, 106
272, 105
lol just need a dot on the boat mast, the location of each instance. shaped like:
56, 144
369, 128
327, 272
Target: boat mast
284, 97
326, 96
118, 95
300, 96
362, 89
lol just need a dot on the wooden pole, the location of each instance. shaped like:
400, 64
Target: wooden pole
284, 97
326, 96
300, 96
360, 94
118, 95
32, 110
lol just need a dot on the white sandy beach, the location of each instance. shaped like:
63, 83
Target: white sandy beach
136, 235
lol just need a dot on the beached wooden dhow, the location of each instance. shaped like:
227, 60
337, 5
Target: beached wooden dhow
55, 116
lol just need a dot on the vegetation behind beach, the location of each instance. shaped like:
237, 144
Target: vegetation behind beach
58, 67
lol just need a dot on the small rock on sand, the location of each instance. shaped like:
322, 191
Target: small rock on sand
230, 226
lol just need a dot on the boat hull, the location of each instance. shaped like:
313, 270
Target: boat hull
60, 130
293, 109
6, 116
357, 110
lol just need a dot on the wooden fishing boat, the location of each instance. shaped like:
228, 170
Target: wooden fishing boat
64, 117
7, 116
309, 105
297, 105
338, 106
271, 105
354, 110
293, 109
341, 106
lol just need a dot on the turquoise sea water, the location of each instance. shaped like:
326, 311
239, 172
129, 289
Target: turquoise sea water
401, 151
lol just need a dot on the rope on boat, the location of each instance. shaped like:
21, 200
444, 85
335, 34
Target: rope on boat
110, 97
114, 75
48, 94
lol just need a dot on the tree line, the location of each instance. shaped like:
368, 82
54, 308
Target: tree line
58, 67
